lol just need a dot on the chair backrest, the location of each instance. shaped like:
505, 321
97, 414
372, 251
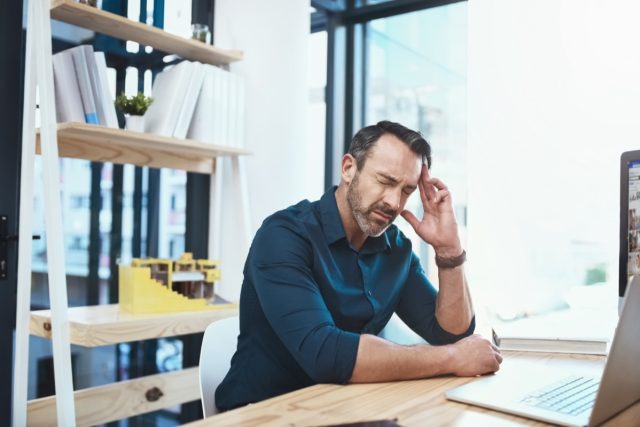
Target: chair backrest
218, 345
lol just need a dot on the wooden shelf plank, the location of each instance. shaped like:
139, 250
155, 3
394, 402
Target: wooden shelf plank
122, 28
93, 326
98, 405
102, 144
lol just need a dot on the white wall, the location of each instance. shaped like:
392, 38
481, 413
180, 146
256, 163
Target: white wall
274, 38
554, 98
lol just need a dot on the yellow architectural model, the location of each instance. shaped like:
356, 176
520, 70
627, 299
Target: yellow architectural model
162, 285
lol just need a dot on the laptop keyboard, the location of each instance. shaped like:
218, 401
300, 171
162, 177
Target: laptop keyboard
572, 396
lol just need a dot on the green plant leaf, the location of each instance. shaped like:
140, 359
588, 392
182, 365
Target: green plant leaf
135, 105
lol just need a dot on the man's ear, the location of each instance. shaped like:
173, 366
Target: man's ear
349, 168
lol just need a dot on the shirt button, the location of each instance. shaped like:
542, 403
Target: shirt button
365, 330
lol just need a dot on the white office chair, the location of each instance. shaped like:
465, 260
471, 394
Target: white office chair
218, 345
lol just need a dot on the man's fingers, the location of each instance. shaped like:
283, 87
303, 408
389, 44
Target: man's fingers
427, 189
424, 172
437, 183
441, 195
411, 219
432, 186
423, 194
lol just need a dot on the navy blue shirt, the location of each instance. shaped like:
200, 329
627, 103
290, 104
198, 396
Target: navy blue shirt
307, 295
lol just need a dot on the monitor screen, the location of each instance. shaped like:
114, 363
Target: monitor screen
629, 218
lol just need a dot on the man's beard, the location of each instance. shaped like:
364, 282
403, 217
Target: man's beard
370, 227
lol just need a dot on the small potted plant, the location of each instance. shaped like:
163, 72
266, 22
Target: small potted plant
134, 108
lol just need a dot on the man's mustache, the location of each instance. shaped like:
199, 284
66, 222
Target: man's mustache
385, 209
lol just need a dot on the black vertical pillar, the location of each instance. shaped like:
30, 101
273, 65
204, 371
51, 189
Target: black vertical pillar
117, 177
329, 96
153, 211
11, 88
197, 225
95, 206
349, 87
136, 241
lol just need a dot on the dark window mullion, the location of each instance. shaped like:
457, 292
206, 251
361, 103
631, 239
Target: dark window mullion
95, 206
11, 88
196, 227
349, 94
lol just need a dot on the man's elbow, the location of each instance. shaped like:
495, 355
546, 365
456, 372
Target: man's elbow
333, 360
464, 331
326, 374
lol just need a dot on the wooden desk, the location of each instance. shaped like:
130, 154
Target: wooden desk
413, 403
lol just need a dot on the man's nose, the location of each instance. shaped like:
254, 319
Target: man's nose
392, 198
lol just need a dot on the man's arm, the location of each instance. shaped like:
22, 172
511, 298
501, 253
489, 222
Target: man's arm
379, 360
296, 310
454, 309
439, 228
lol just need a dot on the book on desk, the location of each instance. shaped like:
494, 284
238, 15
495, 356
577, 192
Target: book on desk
565, 331
551, 344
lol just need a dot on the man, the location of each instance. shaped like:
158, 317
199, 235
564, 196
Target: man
323, 278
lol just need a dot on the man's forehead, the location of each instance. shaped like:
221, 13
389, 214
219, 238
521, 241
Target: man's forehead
395, 171
390, 153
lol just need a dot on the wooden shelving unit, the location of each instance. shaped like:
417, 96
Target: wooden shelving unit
102, 144
122, 28
93, 326
102, 325
111, 402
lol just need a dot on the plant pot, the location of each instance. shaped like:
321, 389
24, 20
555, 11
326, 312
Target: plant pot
135, 123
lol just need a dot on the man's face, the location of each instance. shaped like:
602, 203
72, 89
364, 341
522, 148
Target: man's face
379, 191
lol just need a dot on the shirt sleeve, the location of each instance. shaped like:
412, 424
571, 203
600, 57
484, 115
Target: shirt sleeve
281, 271
417, 308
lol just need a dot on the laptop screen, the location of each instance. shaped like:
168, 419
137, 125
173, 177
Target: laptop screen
629, 218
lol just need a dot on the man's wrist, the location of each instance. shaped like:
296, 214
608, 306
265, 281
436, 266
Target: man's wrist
451, 262
439, 359
450, 359
449, 251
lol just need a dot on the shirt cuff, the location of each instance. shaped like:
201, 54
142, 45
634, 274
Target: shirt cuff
443, 337
348, 343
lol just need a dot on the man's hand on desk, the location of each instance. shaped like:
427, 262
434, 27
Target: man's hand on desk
379, 360
473, 356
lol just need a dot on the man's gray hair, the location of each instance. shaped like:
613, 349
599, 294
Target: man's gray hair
365, 139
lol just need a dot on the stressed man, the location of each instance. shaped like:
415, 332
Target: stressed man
323, 278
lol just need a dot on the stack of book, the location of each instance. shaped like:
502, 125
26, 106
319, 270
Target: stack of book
81, 88
197, 101
565, 331
190, 99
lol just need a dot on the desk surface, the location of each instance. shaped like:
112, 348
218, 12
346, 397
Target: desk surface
413, 403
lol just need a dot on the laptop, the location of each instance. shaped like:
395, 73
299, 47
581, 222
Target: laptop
564, 397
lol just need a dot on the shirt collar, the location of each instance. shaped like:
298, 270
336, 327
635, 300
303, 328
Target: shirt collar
334, 229
331, 221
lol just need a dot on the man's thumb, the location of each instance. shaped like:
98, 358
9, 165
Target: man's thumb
411, 219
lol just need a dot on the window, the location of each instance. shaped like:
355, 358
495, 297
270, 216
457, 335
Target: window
411, 68
550, 112
415, 74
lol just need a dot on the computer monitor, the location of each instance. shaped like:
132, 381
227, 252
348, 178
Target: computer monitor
629, 260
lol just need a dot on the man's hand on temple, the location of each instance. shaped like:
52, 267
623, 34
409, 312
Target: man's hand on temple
438, 226
473, 356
